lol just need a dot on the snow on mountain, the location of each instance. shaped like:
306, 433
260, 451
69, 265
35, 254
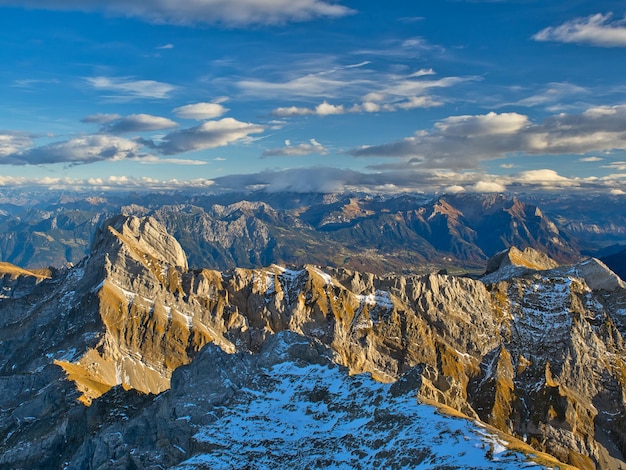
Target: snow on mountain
290, 406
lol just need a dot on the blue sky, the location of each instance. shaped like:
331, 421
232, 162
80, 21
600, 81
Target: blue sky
445, 96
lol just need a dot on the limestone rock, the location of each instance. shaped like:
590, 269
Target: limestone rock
528, 258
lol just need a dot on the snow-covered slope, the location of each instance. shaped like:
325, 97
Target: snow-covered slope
291, 406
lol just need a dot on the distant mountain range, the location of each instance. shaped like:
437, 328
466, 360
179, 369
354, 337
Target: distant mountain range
406, 233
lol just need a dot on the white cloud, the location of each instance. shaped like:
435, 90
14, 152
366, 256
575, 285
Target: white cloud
416, 102
482, 125
219, 12
110, 183
292, 111
153, 160
210, 134
325, 109
86, 149
310, 85
139, 123
595, 30
165, 46
125, 88
325, 179
488, 187
544, 177
461, 142
347, 82
200, 111
617, 166
422, 72
368, 92
290, 150
454, 189
590, 159
13, 142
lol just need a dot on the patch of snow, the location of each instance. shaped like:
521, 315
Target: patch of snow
67, 355
379, 298
98, 287
325, 277
315, 416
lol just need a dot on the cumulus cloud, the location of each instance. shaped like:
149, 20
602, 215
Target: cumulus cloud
290, 150
220, 12
326, 109
210, 134
200, 111
125, 88
488, 187
454, 189
460, 142
594, 30
13, 142
139, 123
543, 177
87, 149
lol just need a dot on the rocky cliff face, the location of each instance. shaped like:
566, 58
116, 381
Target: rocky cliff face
533, 349
17, 282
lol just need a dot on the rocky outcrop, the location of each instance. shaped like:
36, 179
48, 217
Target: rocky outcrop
537, 354
528, 258
17, 282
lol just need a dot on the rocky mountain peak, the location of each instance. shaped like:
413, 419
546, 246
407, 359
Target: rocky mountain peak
527, 258
598, 276
142, 238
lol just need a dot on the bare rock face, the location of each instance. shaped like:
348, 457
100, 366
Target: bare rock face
17, 282
528, 258
537, 353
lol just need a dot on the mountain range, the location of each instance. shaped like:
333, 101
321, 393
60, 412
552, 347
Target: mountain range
133, 359
379, 234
